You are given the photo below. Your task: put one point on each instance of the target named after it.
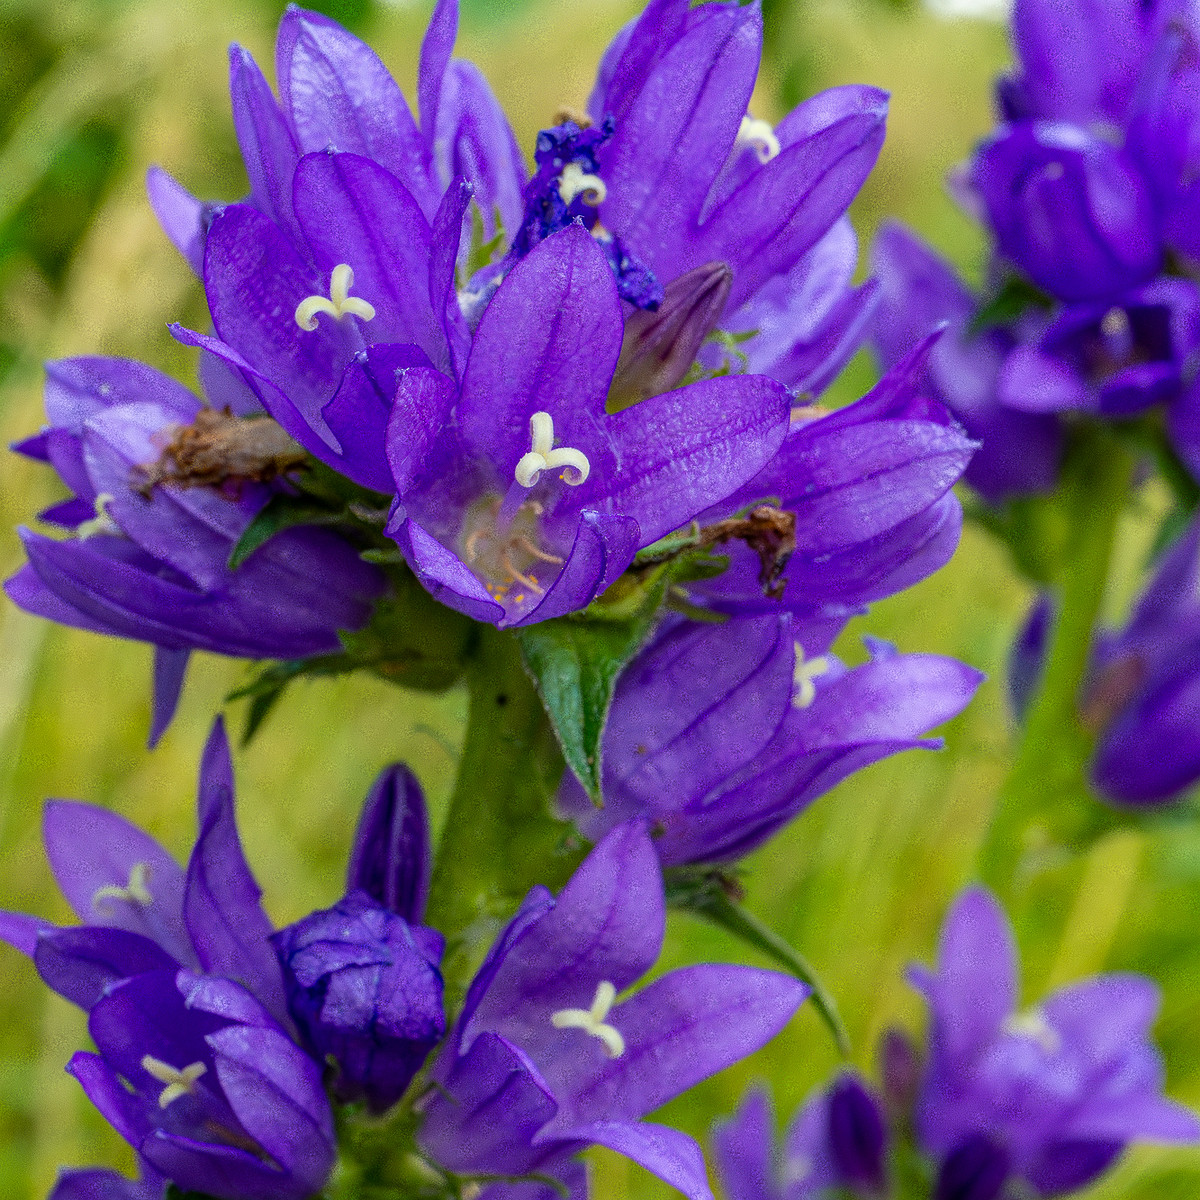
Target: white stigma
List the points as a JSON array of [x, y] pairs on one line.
[[339, 303], [760, 137], [135, 891], [178, 1083], [591, 1020], [101, 522], [543, 457], [575, 181], [1115, 323], [1034, 1026], [807, 669]]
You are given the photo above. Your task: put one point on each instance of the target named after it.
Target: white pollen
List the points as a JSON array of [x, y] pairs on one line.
[[339, 303], [591, 1020], [543, 457], [760, 137], [1115, 323], [807, 669], [134, 892], [575, 181], [178, 1082]]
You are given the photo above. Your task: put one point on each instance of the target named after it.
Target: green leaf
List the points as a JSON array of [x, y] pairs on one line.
[[707, 894], [279, 513]]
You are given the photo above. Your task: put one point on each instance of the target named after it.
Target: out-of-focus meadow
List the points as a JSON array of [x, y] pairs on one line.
[[94, 91]]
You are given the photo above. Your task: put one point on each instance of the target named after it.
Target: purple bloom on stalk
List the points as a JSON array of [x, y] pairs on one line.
[[721, 734], [836, 1143], [544, 1061], [199, 1078], [140, 910], [363, 979], [519, 497], [1055, 1093], [919, 291], [149, 560]]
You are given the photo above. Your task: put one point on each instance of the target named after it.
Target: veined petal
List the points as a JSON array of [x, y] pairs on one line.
[[671, 1155]]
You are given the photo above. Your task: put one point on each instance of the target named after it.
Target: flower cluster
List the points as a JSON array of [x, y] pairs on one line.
[[1087, 190], [1007, 1102]]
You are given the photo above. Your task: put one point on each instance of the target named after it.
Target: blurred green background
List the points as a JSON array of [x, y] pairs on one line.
[[94, 91]]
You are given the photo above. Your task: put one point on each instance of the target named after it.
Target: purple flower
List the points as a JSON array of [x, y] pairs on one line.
[[364, 988], [518, 496], [199, 1078], [919, 291], [837, 1142], [1057, 1091], [149, 560], [721, 734], [99, 1184], [141, 911], [544, 1061], [1069, 209]]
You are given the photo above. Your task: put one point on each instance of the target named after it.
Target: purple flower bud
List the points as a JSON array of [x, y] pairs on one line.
[[975, 1170], [660, 347], [1068, 209], [364, 989], [857, 1136], [390, 860]]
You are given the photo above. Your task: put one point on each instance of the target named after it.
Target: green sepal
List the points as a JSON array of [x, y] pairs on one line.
[[279, 513], [1011, 301], [266, 689], [710, 894]]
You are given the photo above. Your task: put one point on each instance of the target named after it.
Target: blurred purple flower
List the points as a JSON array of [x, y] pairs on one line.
[[543, 1061], [150, 562], [99, 1184], [721, 734], [836, 1143], [1058, 1091]]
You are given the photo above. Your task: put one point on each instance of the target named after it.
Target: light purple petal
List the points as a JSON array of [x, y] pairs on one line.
[[436, 48], [184, 219], [444, 575], [671, 1155], [20, 930], [743, 1147]]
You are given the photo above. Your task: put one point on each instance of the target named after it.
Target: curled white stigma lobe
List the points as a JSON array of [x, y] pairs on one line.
[[543, 457], [1034, 1026], [760, 137], [135, 891], [807, 669], [101, 522], [591, 1020], [339, 303], [178, 1083], [575, 181]]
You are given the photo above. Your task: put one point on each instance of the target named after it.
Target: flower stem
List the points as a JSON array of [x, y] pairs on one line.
[[1046, 806], [499, 838]]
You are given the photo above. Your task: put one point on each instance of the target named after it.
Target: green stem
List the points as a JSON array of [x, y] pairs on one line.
[[1046, 801], [499, 838]]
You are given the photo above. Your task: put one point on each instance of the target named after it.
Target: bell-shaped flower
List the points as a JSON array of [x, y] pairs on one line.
[[208, 1088], [365, 989], [721, 734], [1068, 209], [1055, 1092], [164, 486], [869, 486], [1020, 451], [140, 911], [548, 1056], [837, 1143], [519, 497]]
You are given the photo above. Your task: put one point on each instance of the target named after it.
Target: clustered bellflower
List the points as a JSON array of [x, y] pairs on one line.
[[1041, 1102], [1141, 696], [1087, 190]]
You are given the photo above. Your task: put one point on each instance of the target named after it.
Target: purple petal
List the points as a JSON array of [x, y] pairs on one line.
[[78, 389], [446, 237], [91, 849], [184, 219], [21, 931], [679, 1030], [83, 962], [743, 1147], [339, 95], [444, 575], [170, 666], [27, 591], [671, 1155], [221, 904], [607, 925], [422, 409], [633, 54], [391, 857], [104, 1185], [125, 1111], [436, 48], [352, 211]]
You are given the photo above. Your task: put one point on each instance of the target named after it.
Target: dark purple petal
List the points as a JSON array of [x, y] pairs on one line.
[[127, 1112], [857, 1135], [93, 852], [446, 235], [81, 963], [422, 409], [1068, 1166], [221, 905], [170, 667], [391, 858], [975, 1170], [105, 1185]]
